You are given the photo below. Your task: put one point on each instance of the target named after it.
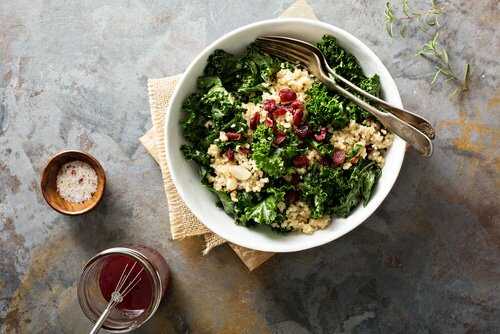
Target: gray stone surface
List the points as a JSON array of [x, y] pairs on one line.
[[73, 75]]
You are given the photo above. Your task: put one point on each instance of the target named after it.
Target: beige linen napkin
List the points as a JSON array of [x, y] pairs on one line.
[[182, 221]]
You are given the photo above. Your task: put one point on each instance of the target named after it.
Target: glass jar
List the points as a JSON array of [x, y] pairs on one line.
[[91, 298]]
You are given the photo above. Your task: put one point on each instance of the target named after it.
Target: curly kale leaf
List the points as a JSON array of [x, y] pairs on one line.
[[361, 186], [193, 122], [356, 113], [371, 85], [263, 152], [242, 75], [224, 201], [369, 179], [290, 148], [273, 166], [206, 82], [342, 62], [336, 191], [270, 159], [346, 65], [325, 108], [258, 67], [192, 153], [225, 66], [321, 187], [237, 209], [263, 213], [217, 99], [266, 211], [324, 148], [246, 200], [236, 124], [267, 66]]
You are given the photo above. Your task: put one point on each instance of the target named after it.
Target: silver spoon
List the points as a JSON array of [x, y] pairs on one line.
[[414, 129]]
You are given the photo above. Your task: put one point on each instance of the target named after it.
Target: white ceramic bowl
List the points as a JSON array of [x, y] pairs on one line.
[[202, 202]]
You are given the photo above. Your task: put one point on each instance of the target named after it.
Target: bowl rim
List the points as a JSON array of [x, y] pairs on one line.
[[44, 175], [396, 161]]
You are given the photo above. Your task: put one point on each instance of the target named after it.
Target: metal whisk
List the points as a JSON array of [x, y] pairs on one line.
[[118, 294]]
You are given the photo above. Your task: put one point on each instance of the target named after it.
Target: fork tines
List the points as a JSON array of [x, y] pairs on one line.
[[284, 49]]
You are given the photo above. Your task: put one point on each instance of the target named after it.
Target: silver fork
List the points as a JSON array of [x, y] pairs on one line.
[[413, 119], [414, 129]]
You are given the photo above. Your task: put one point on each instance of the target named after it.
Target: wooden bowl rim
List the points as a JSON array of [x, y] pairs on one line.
[[87, 156]]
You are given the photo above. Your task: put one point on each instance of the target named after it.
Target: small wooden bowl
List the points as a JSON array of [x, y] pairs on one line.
[[49, 186]]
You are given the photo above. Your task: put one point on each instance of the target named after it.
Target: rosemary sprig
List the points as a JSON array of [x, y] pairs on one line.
[[390, 18], [423, 18], [432, 50], [438, 55]]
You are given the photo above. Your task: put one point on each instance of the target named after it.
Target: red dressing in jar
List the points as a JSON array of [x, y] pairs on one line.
[[140, 297]]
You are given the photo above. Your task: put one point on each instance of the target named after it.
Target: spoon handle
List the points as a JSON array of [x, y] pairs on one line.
[[413, 119], [410, 134]]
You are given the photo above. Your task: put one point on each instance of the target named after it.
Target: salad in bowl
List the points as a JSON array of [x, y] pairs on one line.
[[275, 146], [308, 169]]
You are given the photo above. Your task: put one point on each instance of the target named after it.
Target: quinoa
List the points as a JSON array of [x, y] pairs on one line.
[[361, 136], [299, 80], [298, 219], [242, 173]]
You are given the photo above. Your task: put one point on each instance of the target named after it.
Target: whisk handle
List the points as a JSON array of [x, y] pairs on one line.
[[98, 324]]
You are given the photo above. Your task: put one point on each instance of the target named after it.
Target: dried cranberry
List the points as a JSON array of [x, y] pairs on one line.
[[230, 154], [369, 148], [233, 135], [295, 179], [297, 105], [280, 137], [269, 122], [292, 196], [269, 105], [338, 157], [287, 95], [321, 135], [254, 121], [300, 161], [302, 131], [325, 161], [244, 150], [280, 111], [297, 117]]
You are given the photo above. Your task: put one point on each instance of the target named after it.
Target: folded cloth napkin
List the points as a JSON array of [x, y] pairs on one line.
[[182, 221]]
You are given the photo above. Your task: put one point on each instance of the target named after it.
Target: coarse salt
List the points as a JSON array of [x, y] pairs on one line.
[[76, 181]]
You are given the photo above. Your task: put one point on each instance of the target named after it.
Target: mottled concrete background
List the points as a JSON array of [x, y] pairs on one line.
[[73, 75]]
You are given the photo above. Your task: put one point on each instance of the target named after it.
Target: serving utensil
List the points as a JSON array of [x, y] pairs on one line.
[[414, 129], [118, 294]]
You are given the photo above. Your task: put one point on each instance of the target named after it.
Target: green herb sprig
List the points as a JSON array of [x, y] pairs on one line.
[[439, 56], [427, 22], [424, 19]]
